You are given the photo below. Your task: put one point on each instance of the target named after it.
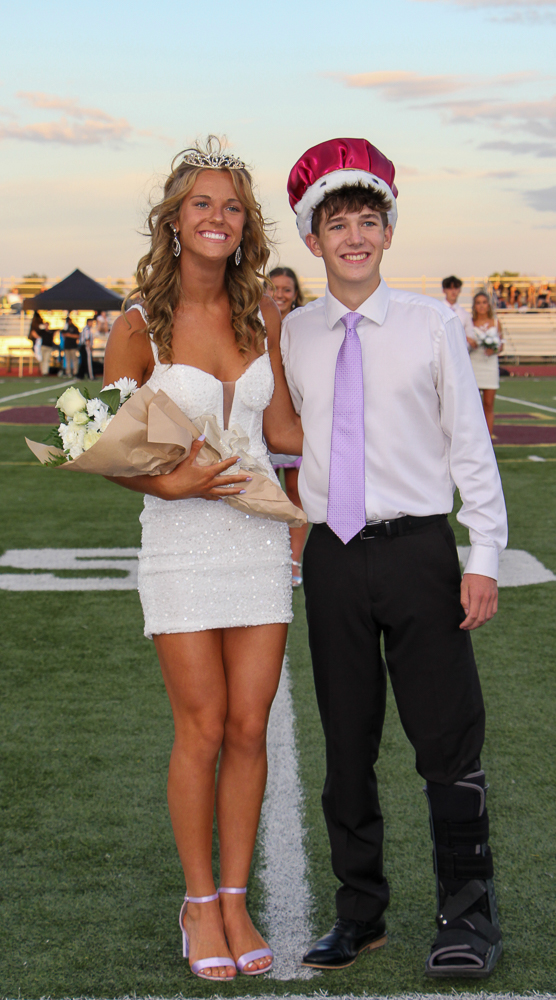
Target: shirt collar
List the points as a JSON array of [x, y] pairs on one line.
[[373, 308]]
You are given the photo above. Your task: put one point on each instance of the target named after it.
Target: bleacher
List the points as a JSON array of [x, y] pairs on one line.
[[18, 350], [528, 336]]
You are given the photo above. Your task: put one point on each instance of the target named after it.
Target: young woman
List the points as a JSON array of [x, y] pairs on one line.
[[287, 294], [485, 359], [214, 583]]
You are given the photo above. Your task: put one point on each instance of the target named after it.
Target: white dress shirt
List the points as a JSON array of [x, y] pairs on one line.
[[465, 317], [425, 428]]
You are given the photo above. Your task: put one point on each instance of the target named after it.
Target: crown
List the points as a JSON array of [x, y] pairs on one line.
[[217, 160]]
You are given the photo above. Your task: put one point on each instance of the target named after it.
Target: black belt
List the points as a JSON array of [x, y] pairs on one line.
[[398, 526]]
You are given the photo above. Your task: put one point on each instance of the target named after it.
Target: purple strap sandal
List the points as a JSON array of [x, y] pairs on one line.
[[203, 963], [250, 956]]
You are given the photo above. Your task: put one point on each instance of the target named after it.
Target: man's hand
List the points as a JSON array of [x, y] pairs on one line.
[[479, 599]]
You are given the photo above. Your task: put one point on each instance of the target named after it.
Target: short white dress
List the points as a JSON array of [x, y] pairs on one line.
[[485, 366], [203, 564]]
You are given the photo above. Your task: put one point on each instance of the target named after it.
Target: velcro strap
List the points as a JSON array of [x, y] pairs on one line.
[[453, 940], [454, 906], [464, 866], [448, 834], [485, 928]]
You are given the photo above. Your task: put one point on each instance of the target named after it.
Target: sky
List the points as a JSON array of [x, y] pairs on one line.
[[96, 99]]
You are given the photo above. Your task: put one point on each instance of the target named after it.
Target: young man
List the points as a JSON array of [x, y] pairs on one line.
[[392, 419], [451, 287]]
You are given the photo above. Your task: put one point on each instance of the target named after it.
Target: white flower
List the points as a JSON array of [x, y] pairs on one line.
[[102, 424], [80, 418], [71, 401], [91, 437], [73, 438], [127, 387], [97, 409]]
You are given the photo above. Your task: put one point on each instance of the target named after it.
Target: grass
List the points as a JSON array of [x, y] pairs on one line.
[[92, 883]]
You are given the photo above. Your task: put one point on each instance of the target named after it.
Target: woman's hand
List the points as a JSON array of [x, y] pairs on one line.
[[472, 343], [188, 481], [205, 482], [490, 351]]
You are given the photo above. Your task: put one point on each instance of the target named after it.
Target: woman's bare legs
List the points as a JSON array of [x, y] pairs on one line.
[[488, 406], [221, 684], [252, 662], [194, 676], [297, 535]]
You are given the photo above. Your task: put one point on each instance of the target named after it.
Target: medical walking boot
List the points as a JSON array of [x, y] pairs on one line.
[[468, 942]]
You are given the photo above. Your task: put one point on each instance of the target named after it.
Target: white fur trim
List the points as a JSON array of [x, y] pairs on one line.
[[331, 182]]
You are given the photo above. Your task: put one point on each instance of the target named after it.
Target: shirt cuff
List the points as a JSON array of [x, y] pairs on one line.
[[483, 560]]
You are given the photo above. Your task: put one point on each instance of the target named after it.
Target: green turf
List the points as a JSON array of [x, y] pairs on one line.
[[92, 883]]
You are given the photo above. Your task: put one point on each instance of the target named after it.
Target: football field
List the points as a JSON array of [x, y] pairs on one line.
[[92, 885]]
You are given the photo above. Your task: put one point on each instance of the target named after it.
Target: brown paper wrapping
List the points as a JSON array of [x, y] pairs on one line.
[[150, 435]]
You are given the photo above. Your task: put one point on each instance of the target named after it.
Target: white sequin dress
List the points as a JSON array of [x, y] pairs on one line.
[[203, 564]]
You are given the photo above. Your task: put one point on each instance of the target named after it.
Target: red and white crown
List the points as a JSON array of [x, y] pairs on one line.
[[334, 164]]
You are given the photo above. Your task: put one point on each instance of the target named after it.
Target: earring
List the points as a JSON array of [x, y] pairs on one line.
[[176, 245], [238, 256]]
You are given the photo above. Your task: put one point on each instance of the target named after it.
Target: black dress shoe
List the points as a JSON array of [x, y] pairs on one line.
[[347, 939]]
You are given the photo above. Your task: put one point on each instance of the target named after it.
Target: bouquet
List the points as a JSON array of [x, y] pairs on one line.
[[126, 431], [83, 418], [487, 337]]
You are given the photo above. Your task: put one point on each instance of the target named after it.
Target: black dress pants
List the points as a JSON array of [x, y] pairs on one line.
[[406, 587]]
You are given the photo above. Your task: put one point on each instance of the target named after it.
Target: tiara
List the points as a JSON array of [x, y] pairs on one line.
[[218, 160]]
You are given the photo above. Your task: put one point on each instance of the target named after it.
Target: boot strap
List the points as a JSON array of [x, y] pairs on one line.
[[454, 906], [464, 866], [449, 834]]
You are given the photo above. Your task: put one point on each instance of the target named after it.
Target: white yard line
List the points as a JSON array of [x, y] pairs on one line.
[[32, 392], [287, 895], [448, 992], [525, 402]]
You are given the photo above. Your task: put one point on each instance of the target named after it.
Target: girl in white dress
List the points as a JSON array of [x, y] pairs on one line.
[[484, 359], [215, 584]]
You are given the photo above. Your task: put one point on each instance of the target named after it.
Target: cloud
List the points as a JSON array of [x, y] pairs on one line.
[[514, 11], [535, 117], [400, 85], [541, 149], [77, 125], [542, 199], [501, 175], [87, 133], [37, 99], [525, 4]]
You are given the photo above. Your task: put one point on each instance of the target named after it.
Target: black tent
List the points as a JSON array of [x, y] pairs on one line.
[[77, 291]]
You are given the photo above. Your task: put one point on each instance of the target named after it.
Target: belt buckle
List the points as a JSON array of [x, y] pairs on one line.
[[369, 524]]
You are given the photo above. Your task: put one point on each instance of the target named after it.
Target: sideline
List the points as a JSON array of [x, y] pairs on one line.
[[324, 995], [46, 388], [283, 872], [524, 402]]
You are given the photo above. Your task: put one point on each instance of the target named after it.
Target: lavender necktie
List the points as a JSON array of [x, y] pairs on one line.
[[346, 485]]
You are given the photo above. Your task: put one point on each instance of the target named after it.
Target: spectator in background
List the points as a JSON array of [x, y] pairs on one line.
[[484, 358], [36, 330], [103, 326], [451, 287], [71, 346], [287, 294], [47, 346], [86, 339]]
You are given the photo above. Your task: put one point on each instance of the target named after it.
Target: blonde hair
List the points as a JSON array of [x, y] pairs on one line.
[[485, 295], [158, 272]]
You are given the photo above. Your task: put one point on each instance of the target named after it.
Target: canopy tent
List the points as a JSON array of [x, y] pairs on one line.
[[77, 291]]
